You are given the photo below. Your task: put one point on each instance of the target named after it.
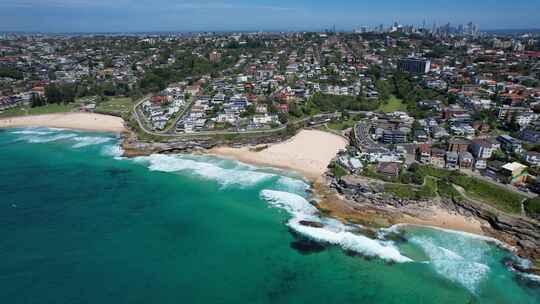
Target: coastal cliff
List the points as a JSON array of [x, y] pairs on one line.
[[522, 233]]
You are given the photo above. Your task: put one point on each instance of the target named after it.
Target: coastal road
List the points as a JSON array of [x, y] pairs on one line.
[[143, 127]]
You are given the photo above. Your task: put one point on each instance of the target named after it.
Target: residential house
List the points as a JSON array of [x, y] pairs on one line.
[[394, 137], [480, 164], [482, 149], [420, 136], [452, 160], [510, 144], [389, 169], [515, 172], [466, 160], [458, 145], [531, 134], [438, 157], [424, 153], [532, 158], [438, 132]]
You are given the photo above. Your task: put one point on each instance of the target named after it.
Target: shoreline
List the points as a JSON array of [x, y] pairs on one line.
[[75, 120], [308, 175], [285, 156], [336, 206], [301, 153]]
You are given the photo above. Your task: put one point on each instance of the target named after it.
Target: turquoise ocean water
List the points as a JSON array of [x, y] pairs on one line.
[[79, 224]]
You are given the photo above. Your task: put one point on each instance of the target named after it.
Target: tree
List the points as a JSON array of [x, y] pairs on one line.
[[249, 111], [53, 94], [283, 118], [384, 88], [295, 110], [36, 101], [11, 73]]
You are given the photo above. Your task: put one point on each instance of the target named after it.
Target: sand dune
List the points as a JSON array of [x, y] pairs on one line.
[[78, 121], [309, 153]]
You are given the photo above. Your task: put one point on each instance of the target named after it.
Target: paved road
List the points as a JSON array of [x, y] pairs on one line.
[[137, 117]]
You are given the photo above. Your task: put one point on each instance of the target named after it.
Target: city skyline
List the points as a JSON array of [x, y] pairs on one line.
[[279, 15]]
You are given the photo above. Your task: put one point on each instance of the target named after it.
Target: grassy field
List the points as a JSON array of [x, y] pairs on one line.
[[341, 125], [428, 190], [498, 197], [490, 193], [48, 109], [116, 105], [393, 104]]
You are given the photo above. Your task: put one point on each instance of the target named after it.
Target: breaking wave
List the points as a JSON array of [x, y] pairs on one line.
[[46, 139], [290, 184], [331, 231], [238, 175], [45, 135], [33, 132], [115, 151], [84, 141], [459, 258]]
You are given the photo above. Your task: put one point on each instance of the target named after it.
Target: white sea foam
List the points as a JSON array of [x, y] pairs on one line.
[[458, 258], [239, 175], [290, 184], [397, 228], [33, 132], [84, 141], [292, 203], [332, 232], [531, 277], [46, 139], [115, 151]]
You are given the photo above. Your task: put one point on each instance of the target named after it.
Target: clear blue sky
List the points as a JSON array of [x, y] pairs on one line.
[[202, 15]]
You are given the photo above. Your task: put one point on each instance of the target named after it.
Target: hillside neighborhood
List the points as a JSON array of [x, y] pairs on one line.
[[448, 97]]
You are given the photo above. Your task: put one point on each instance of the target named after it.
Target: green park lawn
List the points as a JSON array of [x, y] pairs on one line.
[[393, 104], [116, 105]]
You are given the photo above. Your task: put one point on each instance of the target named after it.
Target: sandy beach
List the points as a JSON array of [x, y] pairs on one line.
[[309, 153], [78, 121], [441, 218]]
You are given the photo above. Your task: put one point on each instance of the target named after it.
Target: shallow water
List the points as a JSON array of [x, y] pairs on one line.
[[79, 224]]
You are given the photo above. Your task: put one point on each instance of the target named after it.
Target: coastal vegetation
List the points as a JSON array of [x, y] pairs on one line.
[[490, 193], [324, 103], [337, 170], [426, 191], [532, 207], [420, 182], [447, 190], [497, 196]]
